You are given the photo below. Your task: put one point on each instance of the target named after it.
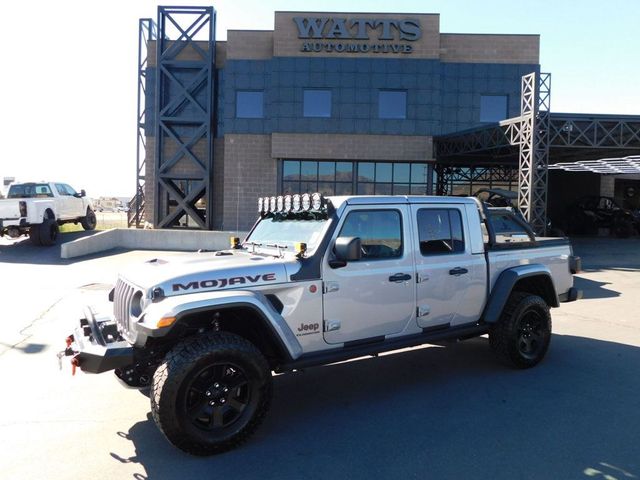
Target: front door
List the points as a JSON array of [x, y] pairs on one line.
[[374, 296], [64, 204]]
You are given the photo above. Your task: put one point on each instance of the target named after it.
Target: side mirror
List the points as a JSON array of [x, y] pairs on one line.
[[347, 249], [83, 193]]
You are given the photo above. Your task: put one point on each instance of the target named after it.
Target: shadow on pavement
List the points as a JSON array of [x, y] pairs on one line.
[[439, 412], [593, 289], [23, 251]]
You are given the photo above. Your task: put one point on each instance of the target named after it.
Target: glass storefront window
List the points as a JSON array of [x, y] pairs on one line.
[[349, 178]]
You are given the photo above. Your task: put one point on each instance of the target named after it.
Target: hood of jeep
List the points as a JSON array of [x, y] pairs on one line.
[[208, 271]]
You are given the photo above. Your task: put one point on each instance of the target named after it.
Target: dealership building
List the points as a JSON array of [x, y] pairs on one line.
[[357, 103]]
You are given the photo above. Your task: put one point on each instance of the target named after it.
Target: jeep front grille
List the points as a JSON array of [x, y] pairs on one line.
[[122, 306]]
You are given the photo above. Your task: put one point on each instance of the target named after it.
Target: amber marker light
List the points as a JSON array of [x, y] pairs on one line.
[[166, 321], [300, 248]]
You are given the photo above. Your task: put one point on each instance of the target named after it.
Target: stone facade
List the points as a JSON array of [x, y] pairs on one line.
[[352, 147], [249, 172]]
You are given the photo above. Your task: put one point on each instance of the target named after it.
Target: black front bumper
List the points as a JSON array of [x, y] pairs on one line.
[[97, 346]]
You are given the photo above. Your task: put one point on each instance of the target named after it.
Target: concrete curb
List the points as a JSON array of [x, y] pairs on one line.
[[137, 239]]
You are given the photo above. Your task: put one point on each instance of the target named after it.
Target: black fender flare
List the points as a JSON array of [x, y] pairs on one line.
[[184, 306], [505, 285]]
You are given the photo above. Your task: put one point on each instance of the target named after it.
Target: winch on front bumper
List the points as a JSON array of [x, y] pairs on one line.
[[96, 346]]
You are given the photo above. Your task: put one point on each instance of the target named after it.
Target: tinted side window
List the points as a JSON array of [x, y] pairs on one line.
[[70, 191], [440, 231], [61, 189], [379, 230], [43, 191]]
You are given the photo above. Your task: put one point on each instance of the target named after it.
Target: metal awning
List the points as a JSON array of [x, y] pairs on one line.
[[607, 166]]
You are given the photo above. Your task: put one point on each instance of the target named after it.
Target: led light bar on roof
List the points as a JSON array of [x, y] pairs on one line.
[[307, 202]]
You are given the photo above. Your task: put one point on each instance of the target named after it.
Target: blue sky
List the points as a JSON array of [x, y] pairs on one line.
[[68, 81]]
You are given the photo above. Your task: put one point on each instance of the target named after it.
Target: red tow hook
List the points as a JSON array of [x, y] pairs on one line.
[[75, 363], [69, 352]]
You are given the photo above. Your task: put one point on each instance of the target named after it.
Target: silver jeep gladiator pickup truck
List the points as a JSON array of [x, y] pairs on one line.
[[320, 280]]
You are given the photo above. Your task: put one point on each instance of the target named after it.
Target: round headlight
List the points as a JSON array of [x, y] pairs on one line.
[[287, 203], [272, 204], [260, 204], [316, 201], [136, 305], [306, 202], [280, 203], [295, 203]]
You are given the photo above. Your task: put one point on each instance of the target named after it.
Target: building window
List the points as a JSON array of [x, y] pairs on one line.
[[249, 104], [316, 103], [440, 231], [349, 178], [380, 232], [493, 108], [392, 104]]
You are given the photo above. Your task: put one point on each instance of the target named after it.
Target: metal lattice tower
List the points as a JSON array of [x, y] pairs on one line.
[[146, 34], [531, 132], [184, 106]]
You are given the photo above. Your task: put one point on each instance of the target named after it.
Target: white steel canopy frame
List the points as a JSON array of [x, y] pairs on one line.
[[530, 131]]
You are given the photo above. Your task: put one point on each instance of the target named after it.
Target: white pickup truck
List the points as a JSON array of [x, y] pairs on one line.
[[38, 209], [320, 280]]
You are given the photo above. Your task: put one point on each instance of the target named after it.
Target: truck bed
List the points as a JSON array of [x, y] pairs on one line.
[[551, 252]]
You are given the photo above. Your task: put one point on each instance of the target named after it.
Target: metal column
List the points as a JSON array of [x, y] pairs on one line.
[[530, 131], [146, 34], [184, 107]]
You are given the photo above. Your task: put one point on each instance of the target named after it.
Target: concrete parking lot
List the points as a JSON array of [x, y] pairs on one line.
[[434, 412]]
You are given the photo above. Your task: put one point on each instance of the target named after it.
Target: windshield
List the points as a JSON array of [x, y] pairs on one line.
[[287, 231], [30, 190]]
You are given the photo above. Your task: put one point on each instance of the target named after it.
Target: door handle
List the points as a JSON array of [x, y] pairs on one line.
[[400, 277], [458, 271]]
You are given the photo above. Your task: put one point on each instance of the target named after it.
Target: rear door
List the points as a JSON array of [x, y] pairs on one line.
[[450, 284], [374, 296]]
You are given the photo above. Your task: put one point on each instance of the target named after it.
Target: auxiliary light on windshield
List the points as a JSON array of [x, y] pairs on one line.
[[285, 204]]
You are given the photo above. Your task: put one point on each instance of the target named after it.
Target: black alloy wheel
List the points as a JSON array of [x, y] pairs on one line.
[[217, 396], [530, 335]]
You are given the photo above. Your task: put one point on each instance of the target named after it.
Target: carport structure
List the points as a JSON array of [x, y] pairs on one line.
[[523, 149]]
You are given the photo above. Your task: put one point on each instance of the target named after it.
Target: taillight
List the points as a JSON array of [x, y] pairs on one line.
[[23, 209]]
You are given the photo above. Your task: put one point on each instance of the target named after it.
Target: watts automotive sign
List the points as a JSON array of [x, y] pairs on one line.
[[357, 35]]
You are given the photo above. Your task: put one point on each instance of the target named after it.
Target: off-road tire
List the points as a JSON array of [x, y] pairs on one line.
[[34, 234], [89, 221], [48, 232], [521, 336], [174, 392]]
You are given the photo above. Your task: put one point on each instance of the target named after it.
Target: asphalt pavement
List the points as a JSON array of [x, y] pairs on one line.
[[433, 412]]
